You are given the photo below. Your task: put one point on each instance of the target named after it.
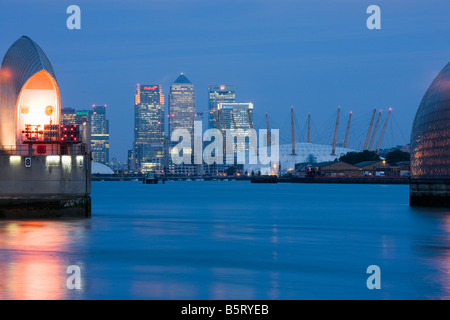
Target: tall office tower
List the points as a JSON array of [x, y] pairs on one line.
[[149, 128], [235, 117], [131, 163], [99, 134], [181, 105], [83, 117], [218, 94], [68, 116], [72, 116]]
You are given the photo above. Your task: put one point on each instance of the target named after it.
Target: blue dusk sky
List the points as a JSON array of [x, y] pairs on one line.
[[313, 55]]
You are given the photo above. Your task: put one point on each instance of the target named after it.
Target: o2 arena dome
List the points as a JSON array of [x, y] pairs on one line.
[[100, 168], [430, 135]]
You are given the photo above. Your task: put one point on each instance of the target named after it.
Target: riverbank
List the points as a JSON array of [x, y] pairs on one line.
[[266, 179], [348, 180]]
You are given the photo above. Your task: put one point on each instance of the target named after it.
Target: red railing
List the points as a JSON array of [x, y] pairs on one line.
[[45, 149]]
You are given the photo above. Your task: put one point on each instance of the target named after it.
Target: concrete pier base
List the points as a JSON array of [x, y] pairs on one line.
[[430, 192], [41, 186], [45, 207]]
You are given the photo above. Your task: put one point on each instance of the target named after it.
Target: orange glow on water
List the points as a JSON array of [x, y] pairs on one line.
[[35, 273]]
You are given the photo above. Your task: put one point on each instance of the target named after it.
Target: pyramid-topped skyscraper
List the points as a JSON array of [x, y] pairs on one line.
[[181, 105], [182, 79]]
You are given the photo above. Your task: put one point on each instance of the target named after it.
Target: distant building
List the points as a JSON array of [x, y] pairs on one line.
[[131, 161], [327, 169], [83, 117], [219, 94], [68, 116], [72, 116], [382, 168], [99, 134], [404, 166], [221, 98], [338, 169], [304, 152], [235, 116], [182, 116], [343, 169], [98, 168], [407, 148], [117, 165], [181, 105], [148, 129], [369, 168], [240, 113]]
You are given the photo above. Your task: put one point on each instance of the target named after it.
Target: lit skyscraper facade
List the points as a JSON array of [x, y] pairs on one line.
[[99, 134], [235, 116], [83, 117], [181, 105], [181, 116], [72, 116], [149, 128], [219, 94], [68, 116], [131, 163]]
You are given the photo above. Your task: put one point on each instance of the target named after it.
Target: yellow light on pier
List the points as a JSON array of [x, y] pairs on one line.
[[52, 160], [15, 160], [66, 161], [80, 161]]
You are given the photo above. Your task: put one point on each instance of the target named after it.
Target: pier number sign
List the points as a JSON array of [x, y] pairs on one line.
[[27, 162]]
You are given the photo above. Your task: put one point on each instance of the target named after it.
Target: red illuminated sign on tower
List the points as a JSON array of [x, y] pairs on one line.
[[150, 88]]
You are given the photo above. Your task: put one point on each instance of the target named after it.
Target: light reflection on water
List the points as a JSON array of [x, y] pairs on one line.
[[34, 258], [232, 240]]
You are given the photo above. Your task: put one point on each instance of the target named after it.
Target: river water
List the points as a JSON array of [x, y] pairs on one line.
[[232, 240]]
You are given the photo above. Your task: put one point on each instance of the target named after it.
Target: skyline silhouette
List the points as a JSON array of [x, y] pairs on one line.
[[313, 56]]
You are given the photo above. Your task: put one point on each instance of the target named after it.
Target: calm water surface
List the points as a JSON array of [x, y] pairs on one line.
[[232, 240]]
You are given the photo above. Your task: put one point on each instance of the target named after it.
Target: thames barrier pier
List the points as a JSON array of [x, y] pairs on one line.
[[430, 146], [44, 166]]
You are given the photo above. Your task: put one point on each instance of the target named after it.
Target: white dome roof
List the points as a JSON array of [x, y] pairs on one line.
[[321, 152], [100, 168]]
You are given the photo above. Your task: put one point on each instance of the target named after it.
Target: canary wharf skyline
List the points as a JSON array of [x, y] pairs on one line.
[[313, 56]]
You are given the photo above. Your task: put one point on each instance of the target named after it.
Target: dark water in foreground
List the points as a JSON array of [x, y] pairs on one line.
[[232, 240]]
